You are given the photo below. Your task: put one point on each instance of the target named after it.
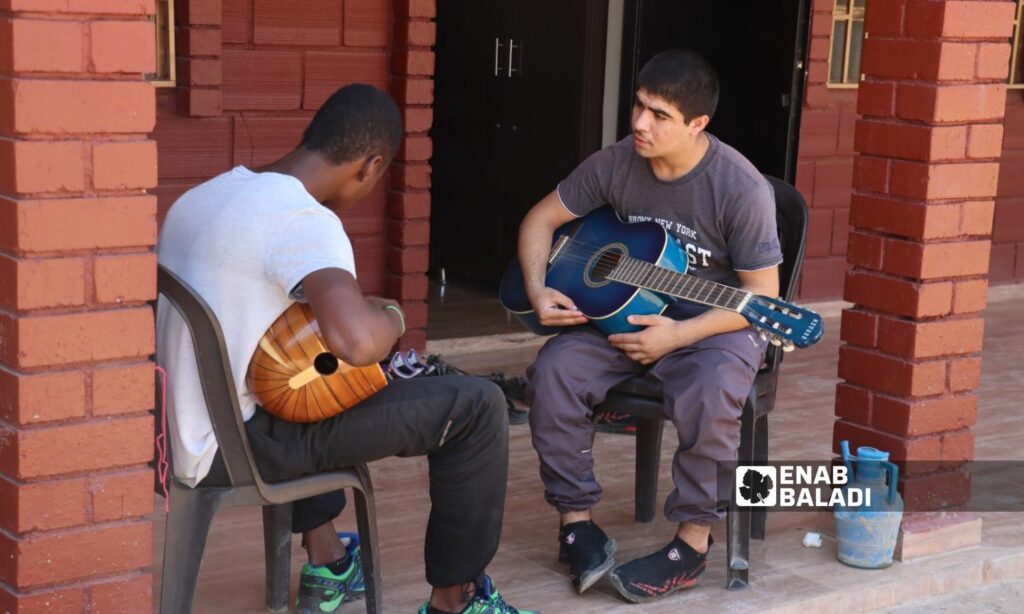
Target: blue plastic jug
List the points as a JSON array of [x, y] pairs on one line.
[[867, 533]]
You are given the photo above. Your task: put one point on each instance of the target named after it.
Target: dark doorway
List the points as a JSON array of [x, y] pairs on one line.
[[517, 105], [758, 49]]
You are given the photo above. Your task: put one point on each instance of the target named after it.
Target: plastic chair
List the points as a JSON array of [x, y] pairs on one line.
[[192, 509], [638, 397]]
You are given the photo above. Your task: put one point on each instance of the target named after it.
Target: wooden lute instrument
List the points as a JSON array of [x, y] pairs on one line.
[[297, 379]]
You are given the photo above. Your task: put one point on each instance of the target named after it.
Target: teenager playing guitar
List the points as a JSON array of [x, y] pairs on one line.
[[250, 243], [722, 211]]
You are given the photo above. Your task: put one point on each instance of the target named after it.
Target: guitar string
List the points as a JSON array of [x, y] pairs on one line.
[[579, 252]]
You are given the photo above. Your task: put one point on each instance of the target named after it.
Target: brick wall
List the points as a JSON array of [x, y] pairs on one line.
[[925, 180], [76, 271], [251, 73], [825, 170]]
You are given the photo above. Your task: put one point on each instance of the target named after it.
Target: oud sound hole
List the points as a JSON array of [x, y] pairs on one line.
[[602, 264], [325, 364]]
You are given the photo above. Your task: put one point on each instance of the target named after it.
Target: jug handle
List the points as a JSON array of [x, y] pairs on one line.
[[844, 448], [894, 478]]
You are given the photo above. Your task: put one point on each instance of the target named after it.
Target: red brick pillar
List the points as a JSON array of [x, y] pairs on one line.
[[198, 48], [76, 271], [932, 102], [412, 65]]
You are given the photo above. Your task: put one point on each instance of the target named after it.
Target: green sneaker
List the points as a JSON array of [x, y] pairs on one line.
[[486, 600], [322, 591]]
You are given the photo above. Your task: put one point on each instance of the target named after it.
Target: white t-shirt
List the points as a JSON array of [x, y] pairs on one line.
[[243, 241]]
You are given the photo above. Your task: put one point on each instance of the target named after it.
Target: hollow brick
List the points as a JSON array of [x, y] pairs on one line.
[[910, 418], [124, 278], [42, 506], [79, 223], [122, 389], [120, 165], [41, 397], [84, 446], [37, 45], [891, 374], [122, 46], [52, 340], [41, 166], [75, 555], [49, 106]]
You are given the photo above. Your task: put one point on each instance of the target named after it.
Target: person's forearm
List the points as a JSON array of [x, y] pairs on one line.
[[717, 321], [534, 250]]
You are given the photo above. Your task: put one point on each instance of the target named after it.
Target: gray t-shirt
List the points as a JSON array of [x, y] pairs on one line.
[[722, 212]]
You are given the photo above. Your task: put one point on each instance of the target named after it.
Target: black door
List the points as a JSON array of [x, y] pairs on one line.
[[516, 106], [756, 47]]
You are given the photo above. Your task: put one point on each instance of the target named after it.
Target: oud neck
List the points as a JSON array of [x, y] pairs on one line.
[[666, 281]]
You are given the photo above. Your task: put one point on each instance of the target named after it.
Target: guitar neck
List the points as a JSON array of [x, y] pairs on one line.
[[643, 274]]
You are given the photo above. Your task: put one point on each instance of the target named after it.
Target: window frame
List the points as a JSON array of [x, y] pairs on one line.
[[851, 14], [1016, 57], [167, 29]]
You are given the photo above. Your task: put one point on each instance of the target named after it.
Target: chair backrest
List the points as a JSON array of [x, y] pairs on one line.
[[791, 220], [215, 376]]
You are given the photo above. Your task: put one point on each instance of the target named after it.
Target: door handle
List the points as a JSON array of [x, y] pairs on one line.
[[512, 46], [497, 56]]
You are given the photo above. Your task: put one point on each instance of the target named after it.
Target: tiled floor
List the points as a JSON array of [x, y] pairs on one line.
[[785, 575]]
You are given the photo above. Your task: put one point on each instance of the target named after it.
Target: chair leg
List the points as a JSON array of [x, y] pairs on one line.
[[277, 542], [760, 514], [648, 460], [738, 554], [738, 548], [366, 518], [188, 524]]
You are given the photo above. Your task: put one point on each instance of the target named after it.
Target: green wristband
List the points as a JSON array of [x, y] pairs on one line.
[[401, 316]]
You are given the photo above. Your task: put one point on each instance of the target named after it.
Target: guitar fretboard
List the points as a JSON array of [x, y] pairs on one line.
[[643, 274]]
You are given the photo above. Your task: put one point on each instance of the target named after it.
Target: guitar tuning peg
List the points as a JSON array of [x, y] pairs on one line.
[[763, 335], [775, 341], [788, 346]]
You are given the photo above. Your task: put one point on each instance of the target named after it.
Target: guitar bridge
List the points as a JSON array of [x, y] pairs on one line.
[[558, 248]]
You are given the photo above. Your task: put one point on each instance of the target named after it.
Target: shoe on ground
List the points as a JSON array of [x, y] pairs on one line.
[[321, 591], [486, 600], [589, 552], [675, 567]]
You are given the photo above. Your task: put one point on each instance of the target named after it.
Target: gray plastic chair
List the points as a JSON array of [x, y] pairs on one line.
[[192, 509], [639, 397]]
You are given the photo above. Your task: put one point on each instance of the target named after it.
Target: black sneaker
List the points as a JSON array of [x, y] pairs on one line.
[[588, 550], [675, 567]]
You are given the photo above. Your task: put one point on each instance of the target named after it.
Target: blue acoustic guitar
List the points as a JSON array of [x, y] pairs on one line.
[[613, 270]]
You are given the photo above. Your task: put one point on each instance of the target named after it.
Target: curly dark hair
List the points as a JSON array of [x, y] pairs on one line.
[[357, 121]]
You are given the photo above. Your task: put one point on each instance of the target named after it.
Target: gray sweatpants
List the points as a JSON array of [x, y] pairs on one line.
[[704, 387]]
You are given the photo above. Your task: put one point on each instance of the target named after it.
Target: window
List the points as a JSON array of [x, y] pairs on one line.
[[847, 40], [164, 22], [1016, 61]]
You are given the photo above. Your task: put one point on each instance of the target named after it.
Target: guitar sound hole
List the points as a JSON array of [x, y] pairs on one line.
[[325, 364], [602, 264]]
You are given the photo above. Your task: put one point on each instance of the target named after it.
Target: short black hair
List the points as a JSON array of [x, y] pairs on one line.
[[683, 78], [357, 121]]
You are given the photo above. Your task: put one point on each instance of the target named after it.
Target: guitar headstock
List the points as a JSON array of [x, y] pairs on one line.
[[783, 323]]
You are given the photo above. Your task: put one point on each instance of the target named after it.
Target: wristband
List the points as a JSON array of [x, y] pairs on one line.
[[401, 317]]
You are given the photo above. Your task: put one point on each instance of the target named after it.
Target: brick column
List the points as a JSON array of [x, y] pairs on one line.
[[76, 271], [932, 102], [198, 46], [412, 65]]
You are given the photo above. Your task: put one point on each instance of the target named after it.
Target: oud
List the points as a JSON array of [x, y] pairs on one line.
[[295, 377]]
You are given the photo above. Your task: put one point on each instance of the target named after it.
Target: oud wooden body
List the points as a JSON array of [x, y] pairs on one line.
[[295, 377]]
